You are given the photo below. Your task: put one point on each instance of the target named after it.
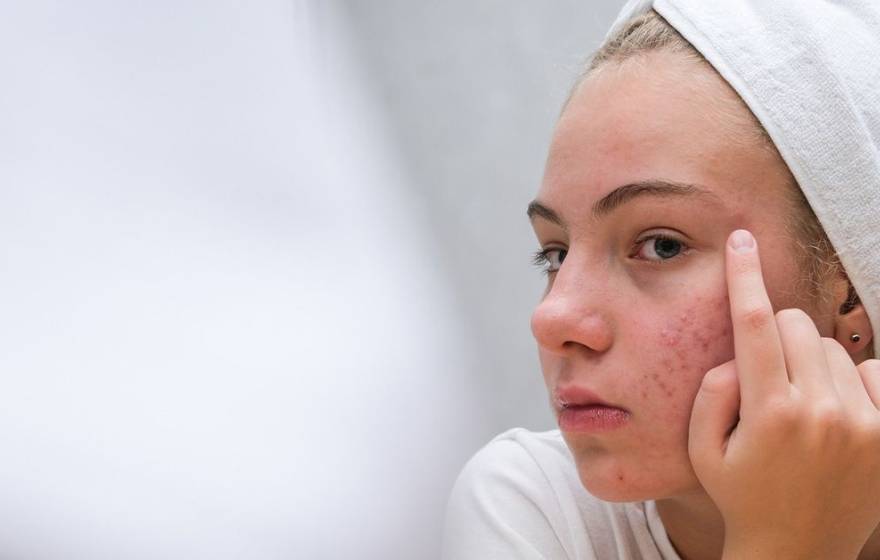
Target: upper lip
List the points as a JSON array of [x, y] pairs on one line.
[[573, 395]]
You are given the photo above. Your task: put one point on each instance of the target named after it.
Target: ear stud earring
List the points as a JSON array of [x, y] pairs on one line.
[[855, 337]]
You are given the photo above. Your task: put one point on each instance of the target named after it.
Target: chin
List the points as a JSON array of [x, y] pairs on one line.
[[615, 483], [615, 491]]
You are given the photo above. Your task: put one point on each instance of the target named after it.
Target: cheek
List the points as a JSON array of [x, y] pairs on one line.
[[676, 353], [696, 339], [673, 352]]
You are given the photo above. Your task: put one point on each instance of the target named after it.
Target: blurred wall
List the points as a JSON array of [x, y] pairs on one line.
[[472, 91], [264, 267]]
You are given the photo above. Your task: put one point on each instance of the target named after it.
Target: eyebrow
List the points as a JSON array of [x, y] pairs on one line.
[[621, 195]]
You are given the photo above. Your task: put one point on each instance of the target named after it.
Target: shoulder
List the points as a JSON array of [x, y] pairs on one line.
[[517, 450], [517, 497], [518, 463], [520, 496]]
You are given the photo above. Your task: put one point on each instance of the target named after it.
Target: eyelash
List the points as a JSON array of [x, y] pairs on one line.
[[542, 260]]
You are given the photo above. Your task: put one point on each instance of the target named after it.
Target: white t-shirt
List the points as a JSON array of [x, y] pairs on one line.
[[519, 497]]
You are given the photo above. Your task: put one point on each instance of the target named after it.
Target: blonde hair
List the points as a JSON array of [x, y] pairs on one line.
[[649, 32]]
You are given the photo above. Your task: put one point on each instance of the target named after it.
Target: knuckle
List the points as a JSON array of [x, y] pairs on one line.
[[862, 432], [827, 416], [757, 317], [868, 428], [782, 412], [863, 441]]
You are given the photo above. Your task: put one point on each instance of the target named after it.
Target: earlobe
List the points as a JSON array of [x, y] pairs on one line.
[[853, 331]]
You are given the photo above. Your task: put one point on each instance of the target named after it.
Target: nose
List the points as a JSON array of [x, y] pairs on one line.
[[572, 315]]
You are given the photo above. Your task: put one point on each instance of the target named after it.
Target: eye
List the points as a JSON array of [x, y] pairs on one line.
[[549, 260], [660, 249]]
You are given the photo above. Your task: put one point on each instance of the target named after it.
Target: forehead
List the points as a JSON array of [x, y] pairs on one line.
[[656, 117]]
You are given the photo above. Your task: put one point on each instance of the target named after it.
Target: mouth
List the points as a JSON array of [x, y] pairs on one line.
[[573, 396], [579, 409]]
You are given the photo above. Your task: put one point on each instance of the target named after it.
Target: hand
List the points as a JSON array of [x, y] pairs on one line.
[[798, 476]]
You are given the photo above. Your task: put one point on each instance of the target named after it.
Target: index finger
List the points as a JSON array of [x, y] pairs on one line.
[[760, 361]]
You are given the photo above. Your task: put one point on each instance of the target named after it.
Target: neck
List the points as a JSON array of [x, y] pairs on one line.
[[694, 525], [696, 529]]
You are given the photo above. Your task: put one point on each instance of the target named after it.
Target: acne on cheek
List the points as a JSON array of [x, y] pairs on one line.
[[697, 339]]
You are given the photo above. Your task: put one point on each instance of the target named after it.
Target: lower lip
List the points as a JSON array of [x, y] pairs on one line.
[[591, 418]]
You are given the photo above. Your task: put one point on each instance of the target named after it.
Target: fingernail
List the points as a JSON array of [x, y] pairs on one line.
[[742, 241]]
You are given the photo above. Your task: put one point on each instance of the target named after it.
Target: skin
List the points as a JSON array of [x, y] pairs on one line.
[[643, 335]]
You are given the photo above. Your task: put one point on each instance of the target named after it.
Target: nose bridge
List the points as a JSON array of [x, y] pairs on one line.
[[575, 309]]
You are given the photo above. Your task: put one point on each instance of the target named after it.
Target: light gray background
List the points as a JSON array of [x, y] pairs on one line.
[[471, 91], [265, 267]]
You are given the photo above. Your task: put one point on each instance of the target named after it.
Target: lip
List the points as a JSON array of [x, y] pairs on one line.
[[579, 409], [574, 395], [592, 418]]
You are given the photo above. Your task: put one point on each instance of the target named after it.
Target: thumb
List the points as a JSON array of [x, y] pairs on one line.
[[714, 415]]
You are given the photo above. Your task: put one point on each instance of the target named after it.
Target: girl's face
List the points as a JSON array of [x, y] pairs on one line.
[[637, 312]]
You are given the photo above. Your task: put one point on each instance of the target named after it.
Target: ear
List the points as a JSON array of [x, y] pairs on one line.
[[852, 328]]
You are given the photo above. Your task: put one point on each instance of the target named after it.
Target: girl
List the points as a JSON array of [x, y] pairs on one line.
[[707, 227]]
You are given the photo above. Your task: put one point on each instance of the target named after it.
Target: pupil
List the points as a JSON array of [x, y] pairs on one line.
[[562, 256], [664, 247]]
